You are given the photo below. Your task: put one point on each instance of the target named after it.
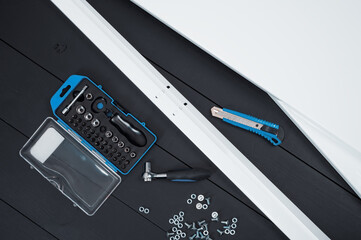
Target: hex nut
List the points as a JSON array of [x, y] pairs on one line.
[[95, 122], [80, 109], [193, 196], [205, 206], [108, 134], [88, 116], [89, 96], [189, 201]]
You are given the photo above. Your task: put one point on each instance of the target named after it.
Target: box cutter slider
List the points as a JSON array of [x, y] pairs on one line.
[[272, 132]]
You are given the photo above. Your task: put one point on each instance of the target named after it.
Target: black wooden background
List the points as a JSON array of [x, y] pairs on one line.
[[40, 48]]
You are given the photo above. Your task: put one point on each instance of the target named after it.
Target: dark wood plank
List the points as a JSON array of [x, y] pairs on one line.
[[162, 198], [29, 192], [14, 225], [88, 60]]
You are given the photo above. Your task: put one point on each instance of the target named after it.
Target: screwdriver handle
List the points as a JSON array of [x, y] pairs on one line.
[[189, 175]]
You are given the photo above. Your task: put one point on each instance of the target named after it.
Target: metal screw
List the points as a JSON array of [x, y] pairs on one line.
[[193, 236], [170, 234], [200, 197], [201, 222], [220, 232], [199, 206], [214, 214], [188, 225], [225, 222], [226, 227]]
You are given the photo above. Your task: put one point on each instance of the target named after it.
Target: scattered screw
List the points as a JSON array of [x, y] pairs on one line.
[[200, 197], [201, 222], [220, 232], [214, 214], [225, 222], [188, 225], [199, 206], [208, 200]]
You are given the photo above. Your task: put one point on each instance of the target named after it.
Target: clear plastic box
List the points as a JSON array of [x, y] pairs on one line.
[[60, 157]]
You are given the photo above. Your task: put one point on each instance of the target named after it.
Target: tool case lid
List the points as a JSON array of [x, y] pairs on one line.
[[60, 157]]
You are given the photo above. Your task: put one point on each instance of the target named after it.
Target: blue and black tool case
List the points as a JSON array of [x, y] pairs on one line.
[[92, 142]]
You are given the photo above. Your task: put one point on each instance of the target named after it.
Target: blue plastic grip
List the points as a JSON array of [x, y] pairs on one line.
[[269, 136]]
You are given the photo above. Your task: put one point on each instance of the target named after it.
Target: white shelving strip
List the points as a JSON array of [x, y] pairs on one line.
[[270, 200]]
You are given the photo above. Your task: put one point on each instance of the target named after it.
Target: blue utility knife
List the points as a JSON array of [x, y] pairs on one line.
[[272, 132]]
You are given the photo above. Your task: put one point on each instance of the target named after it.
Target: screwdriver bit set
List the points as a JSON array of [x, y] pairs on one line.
[[88, 111], [91, 143]]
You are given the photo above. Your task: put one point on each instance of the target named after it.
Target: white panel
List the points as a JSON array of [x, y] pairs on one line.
[[305, 53]]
